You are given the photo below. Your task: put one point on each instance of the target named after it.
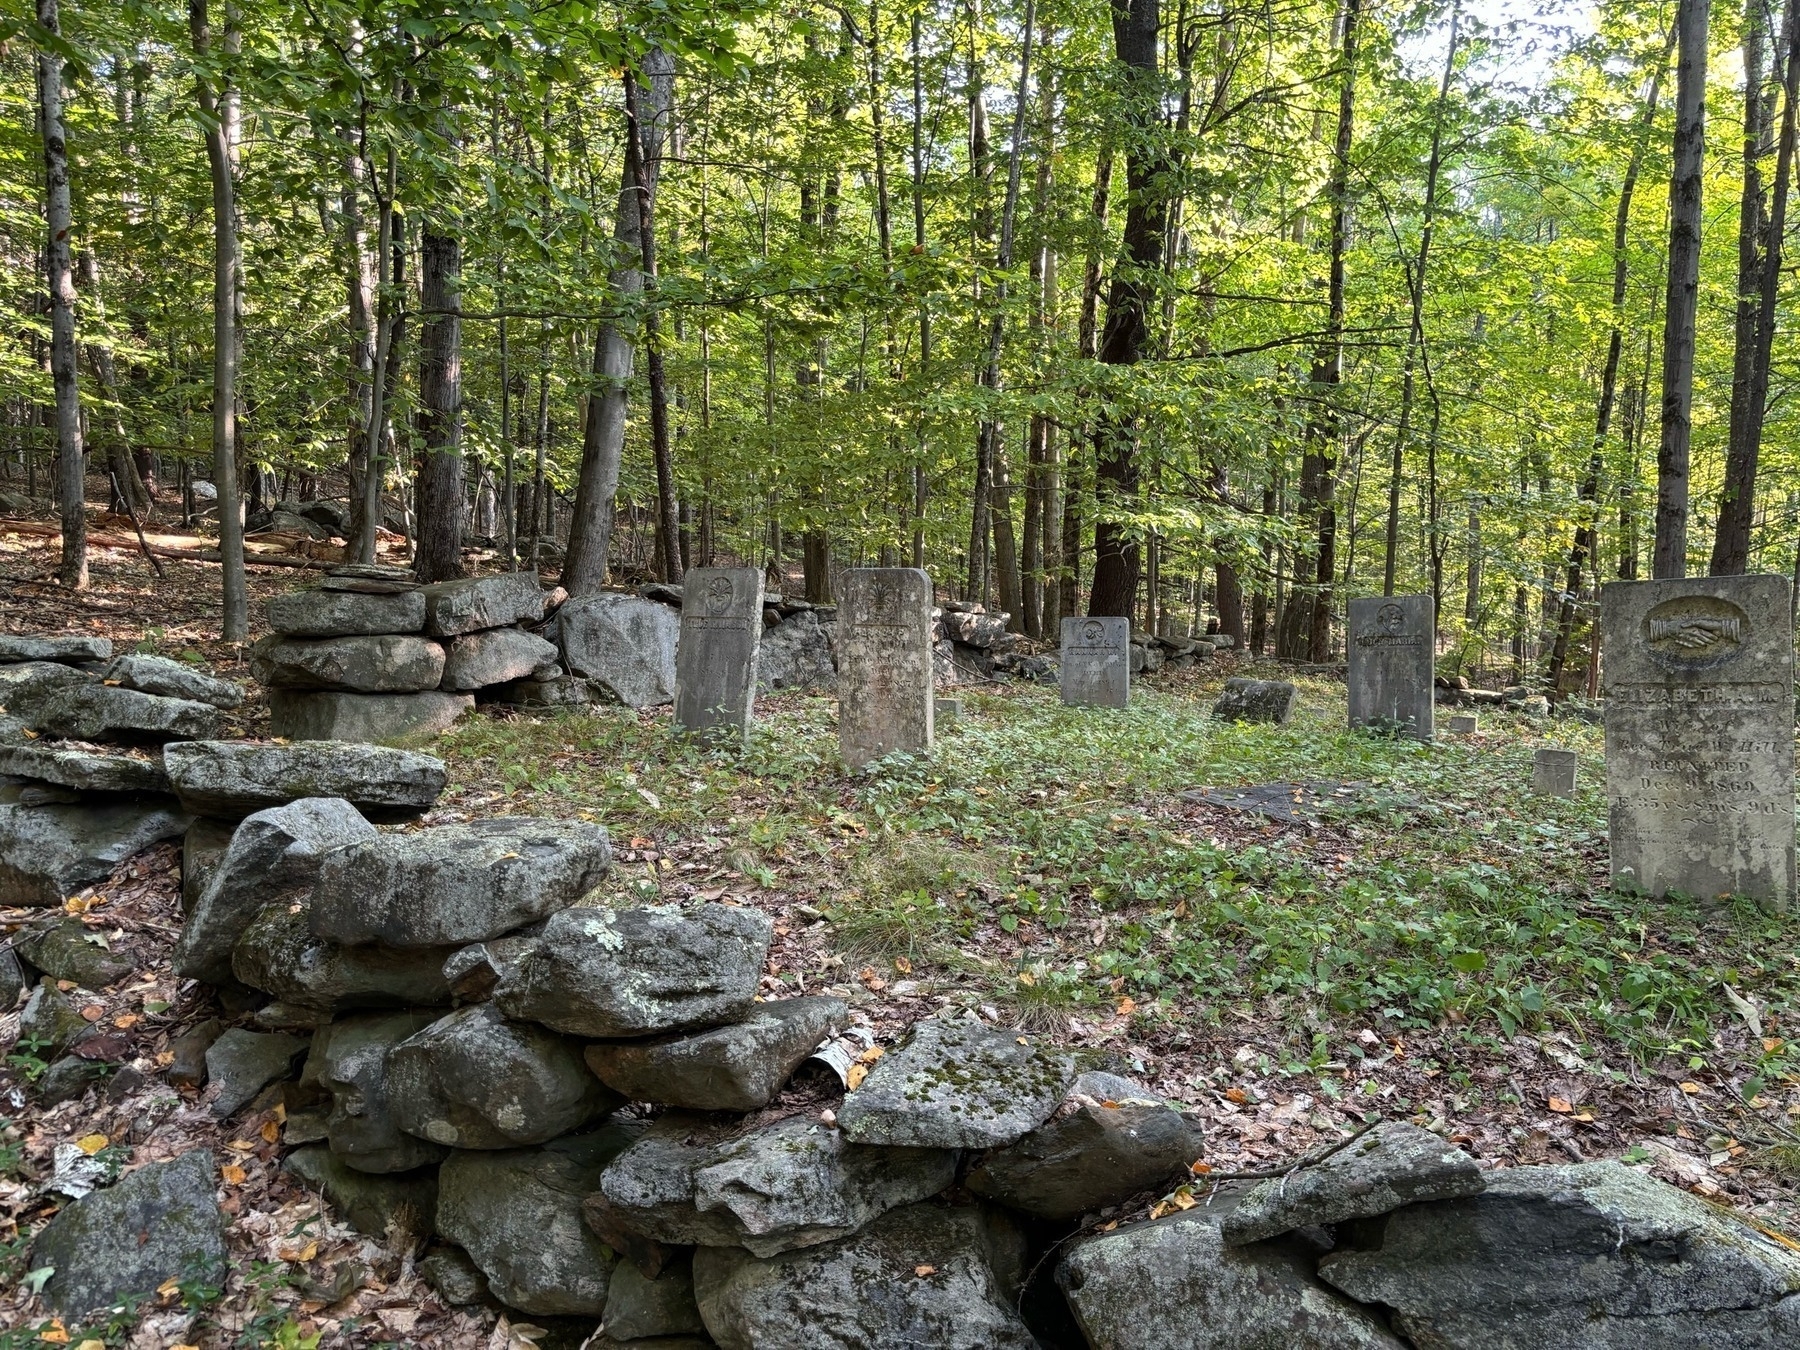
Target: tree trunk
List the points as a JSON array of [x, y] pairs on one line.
[[603, 436], [1737, 505], [71, 458], [1115, 584], [1670, 558], [438, 554], [219, 111]]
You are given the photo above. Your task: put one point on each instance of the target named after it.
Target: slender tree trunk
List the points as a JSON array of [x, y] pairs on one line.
[[219, 110], [71, 458], [1135, 24], [1088, 345], [603, 436], [919, 481], [438, 555], [1737, 506], [1670, 558], [359, 277]]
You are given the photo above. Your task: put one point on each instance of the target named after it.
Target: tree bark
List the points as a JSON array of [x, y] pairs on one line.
[[71, 458], [437, 555], [1121, 343], [219, 110], [1670, 556], [603, 437]]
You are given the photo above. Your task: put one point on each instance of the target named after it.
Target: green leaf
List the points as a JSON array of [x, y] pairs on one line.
[[1469, 962]]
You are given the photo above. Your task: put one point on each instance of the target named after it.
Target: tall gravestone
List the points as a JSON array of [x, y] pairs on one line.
[[1699, 684], [1391, 649], [715, 656], [884, 664], [1096, 662]]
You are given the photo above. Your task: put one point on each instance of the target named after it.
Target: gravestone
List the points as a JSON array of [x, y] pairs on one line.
[[1390, 664], [1700, 736], [1463, 724], [1096, 662], [947, 711], [1553, 773], [715, 656], [885, 701]]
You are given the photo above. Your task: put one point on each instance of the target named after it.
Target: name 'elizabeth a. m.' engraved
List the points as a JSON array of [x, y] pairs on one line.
[[1700, 736]]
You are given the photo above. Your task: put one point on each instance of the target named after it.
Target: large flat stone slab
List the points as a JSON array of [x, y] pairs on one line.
[[457, 883], [68, 650], [25, 687], [232, 779], [48, 853], [83, 770], [101, 712], [622, 643], [172, 679], [495, 656], [400, 663], [1270, 701], [473, 603], [383, 719], [637, 972], [340, 613], [957, 1085], [278, 954]]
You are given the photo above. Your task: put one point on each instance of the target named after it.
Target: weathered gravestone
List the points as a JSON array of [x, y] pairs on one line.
[[1700, 736], [1463, 724], [1096, 662], [1390, 664], [1553, 773], [884, 664], [715, 656]]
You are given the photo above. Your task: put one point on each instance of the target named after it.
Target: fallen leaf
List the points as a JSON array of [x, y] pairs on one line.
[[1127, 1007], [1558, 1105], [857, 1073], [298, 1254], [1772, 1044], [126, 1021], [91, 1344], [91, 1144], [233, 1174], [92, 1012], [55, 1333], [923, 1271], [1237, 1095], [1199, 1169], [271, 1132], [168, 1288], [1692, 1089], [902, 965], [873, 1053]]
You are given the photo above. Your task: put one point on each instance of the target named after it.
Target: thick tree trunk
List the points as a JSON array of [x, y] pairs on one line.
[[437, 555], [1135, 24], [220, 113], [603, 437], [1670, 558], [71, 458]]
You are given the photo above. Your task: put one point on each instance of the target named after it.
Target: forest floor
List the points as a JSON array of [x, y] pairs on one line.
[[1436, 944]]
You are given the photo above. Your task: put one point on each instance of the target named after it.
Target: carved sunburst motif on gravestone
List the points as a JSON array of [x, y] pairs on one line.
[[1695, 632]]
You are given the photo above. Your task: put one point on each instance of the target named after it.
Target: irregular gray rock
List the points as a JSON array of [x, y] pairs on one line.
[[457, 883], [738, 1067], [1392, 1165], [188, 1052], [395, 663], [12, 980], [275, 856], [473, 603], [518, 1215], [795, 654], [456, 1279], [1173, 1285], [957, 1085], [494, 656], [49, 1023], [385, 719], [83, 770], [475, 1080], [349, 1061], [1271, 701], [235, 778], [70, 1078], [379, 1205], [1591, 1256], [387, 573], [279, 955], [474, 971], [65, 948], [638, 1307], [623, 643], [104, 712], [557, 691], [158, 1223], [68, 650], [342, 613], [637, 972], [242, 1063], [24, 688], [203, 848], [649, 1188], [866, 1291], [172, 679], [1110, 1141], [49, 852]]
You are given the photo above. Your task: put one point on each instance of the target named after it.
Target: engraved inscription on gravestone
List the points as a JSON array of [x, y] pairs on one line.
[[885, 699], [1096, 662], [1699, 689], [715, 657], [1391, 641]]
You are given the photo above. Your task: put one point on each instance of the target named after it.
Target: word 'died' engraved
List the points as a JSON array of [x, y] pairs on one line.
[[1700, 736]]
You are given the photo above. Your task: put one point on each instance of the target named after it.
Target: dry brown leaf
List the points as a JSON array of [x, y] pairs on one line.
[[271, 1132], [233, 1174], [1237, 1095], [1692, 1089], [1561, 1107], [923, 1271], [853, 1080]]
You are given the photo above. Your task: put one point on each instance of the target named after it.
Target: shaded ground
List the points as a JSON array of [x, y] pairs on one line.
[[1437, 945]]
